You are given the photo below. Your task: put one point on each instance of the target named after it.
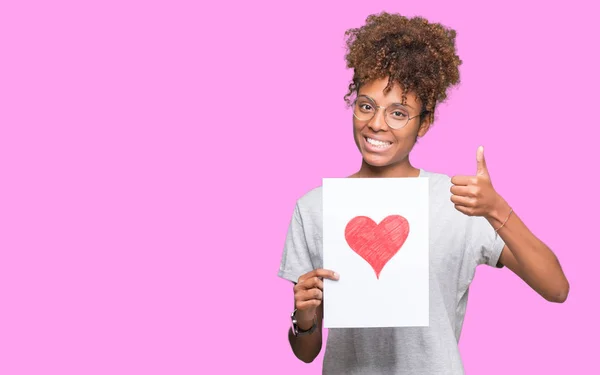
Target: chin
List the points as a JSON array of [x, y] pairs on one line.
[[377, 160]]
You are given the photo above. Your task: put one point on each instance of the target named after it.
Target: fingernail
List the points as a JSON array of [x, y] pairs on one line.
[[336, 275]]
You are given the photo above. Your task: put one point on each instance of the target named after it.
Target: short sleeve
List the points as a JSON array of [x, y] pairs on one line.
[[296, 260], [484, 244]]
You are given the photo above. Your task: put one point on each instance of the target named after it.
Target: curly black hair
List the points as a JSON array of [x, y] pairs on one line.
[[418, 55]]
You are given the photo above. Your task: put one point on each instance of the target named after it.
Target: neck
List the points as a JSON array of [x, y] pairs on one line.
[[401, 169]]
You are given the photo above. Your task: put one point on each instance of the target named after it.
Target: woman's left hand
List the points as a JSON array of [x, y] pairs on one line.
[[475, 195]]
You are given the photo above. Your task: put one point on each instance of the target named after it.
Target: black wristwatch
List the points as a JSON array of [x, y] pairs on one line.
[[297, 331]]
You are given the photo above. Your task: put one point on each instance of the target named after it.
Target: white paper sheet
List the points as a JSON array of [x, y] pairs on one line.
[[364, 222]]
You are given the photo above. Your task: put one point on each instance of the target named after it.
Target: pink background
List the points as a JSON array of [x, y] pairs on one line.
[[151, 154]]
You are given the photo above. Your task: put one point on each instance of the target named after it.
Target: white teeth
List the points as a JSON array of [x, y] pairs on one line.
[[377, 143]]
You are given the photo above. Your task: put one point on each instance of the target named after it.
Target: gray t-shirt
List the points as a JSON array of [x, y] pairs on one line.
[[458, 244]]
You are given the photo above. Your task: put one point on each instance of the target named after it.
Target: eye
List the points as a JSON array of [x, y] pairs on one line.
[[399, 114], [366, 107]]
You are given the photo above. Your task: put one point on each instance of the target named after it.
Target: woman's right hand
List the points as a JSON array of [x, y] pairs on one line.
[[308, 294]]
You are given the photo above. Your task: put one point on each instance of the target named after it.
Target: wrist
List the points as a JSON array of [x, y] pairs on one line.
[[303, 324], [499, 213], [305, 321], [303, 315]]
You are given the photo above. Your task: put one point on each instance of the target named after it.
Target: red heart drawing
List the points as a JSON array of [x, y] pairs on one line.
[[377, 243]]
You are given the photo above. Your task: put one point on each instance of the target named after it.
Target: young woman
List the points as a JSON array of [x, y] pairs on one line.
[[402, 69]]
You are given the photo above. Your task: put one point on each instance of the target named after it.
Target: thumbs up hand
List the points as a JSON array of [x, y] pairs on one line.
[[475, 195]]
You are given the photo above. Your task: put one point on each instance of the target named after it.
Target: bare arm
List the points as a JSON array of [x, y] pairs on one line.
[[528, 257], [524, 254]]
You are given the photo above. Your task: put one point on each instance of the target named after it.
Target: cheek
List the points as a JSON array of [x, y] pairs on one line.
[[406, 135], [405, 140], [356, 129]]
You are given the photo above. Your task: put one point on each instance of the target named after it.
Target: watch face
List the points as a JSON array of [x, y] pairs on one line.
[[294, 324]]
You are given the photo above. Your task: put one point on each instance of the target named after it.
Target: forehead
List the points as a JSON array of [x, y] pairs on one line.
[[375, 90]]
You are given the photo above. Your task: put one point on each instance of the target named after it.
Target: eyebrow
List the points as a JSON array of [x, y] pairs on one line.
[[374, 101]]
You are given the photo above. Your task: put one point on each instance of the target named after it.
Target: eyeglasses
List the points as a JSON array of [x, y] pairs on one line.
[[395, 115]]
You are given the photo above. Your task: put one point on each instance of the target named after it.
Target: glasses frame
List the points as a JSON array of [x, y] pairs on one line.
[[377, 107]]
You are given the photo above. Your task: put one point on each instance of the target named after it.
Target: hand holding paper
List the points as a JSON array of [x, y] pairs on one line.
[[308, 293]]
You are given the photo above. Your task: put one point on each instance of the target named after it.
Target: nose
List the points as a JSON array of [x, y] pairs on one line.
[[378, 123]]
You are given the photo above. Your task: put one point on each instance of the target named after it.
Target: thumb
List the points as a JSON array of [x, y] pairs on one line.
[[481, 166]]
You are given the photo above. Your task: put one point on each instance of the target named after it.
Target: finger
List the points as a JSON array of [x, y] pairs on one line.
[[313, 282], [465, 191], [463, 180], [465, 210], [462, 201], [307, 295], [481, 165], [323, 273], [305, 305]]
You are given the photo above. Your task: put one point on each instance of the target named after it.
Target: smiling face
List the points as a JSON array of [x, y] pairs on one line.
[[380, 144]]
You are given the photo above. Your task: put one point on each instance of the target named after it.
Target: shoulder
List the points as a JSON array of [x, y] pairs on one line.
[[436, 178], [439, 185], [311, 198], [309, 207]]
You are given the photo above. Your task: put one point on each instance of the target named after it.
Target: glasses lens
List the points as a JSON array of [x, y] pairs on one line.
[[397, 116], [364, 109]]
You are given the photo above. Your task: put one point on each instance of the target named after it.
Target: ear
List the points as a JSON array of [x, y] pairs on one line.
[[425, 125]]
